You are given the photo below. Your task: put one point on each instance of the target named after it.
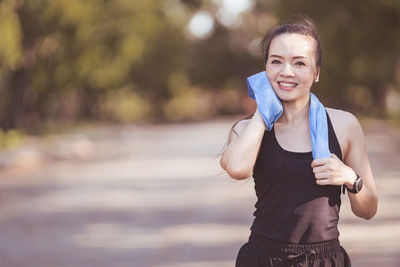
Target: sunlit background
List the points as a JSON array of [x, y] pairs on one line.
[[112, 115]]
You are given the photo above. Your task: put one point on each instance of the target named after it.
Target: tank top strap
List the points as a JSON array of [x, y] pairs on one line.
[[334, 145]]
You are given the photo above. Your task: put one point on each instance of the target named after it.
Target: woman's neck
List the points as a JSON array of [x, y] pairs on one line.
[[295, 112]]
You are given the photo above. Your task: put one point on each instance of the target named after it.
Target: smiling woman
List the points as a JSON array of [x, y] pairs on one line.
[[292, 65], [298, 197]]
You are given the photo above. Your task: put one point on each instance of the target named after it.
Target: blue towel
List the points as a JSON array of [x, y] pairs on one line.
[[270, 107]]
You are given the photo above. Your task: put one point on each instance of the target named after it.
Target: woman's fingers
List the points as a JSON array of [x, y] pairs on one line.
[[320, 169], [323, 181], [317, 162], [328, 171], [322, 175]]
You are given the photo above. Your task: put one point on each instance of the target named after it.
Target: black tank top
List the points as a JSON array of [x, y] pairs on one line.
[[290, 206]]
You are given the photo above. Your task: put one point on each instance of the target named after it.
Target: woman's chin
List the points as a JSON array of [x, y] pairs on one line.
[[285, 96]]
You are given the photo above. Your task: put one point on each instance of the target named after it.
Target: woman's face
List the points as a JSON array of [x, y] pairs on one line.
[[291, 67]]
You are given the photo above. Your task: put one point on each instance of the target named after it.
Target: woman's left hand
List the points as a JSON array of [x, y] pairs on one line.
[[332, 171]]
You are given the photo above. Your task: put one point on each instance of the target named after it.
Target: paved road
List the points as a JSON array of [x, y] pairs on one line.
[[152, 196]]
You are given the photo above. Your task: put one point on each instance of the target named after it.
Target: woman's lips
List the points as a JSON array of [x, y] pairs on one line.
[[287, 86]]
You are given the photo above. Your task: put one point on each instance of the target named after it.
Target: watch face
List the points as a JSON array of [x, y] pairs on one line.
[[359, 185]]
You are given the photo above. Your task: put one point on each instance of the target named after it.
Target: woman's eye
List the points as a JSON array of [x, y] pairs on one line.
[[299, 63], [275, 61]]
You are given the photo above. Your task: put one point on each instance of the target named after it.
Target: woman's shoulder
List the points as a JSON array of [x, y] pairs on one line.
[[341, 118], [346, 126]]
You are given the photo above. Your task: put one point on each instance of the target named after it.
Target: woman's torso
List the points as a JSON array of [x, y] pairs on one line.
[[291, 207]]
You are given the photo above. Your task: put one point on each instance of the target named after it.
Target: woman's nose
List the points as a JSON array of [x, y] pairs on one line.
[[287, 70]]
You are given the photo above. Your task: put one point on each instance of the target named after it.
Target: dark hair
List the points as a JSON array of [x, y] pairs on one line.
[[298, 24]]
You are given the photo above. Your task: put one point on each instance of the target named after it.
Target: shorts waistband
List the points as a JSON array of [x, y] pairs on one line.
[[317, 249]]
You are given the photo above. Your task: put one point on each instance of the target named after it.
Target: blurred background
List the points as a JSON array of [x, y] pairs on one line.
[[113, 112]]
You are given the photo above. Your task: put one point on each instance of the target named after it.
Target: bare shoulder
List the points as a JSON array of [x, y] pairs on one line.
[[342, 120], [346, 126]]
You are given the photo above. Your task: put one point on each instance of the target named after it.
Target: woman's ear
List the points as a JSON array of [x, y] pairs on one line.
[[316, 78]]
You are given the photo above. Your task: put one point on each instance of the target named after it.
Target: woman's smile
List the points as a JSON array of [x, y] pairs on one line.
[[287, 86]]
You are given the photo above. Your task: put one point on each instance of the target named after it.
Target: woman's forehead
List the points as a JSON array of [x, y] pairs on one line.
[[293, 45]]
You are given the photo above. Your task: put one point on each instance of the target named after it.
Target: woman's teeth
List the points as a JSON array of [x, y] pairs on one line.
[[287, 84]]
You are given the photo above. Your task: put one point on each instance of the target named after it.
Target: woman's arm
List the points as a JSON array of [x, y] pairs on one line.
[[365, 203], [241, 152], [355, 161]]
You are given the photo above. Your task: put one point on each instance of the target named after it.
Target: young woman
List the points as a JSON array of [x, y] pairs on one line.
[[298, 198]]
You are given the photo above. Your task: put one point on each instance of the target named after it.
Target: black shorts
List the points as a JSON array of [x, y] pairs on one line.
[[260, 251]]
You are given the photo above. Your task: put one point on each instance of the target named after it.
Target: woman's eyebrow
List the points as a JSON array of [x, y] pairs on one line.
[[299, 57], [296, 57]]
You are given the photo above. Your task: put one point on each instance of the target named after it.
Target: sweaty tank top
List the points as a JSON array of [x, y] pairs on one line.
[[290, 206]]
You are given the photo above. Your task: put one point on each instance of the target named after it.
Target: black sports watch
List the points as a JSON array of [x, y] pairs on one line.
[[357, 186]]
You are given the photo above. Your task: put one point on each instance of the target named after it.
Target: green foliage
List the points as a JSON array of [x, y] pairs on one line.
[[11, 139], [361, 49], [62, 59], [132, 60], [10, 46]]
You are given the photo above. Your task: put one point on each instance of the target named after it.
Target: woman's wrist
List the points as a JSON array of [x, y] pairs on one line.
[[350, 181]]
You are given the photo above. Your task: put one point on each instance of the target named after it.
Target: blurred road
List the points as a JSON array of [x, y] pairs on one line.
[[152, 195]]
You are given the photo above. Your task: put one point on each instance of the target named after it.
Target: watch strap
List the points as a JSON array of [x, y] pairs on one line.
[[354, 189]]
